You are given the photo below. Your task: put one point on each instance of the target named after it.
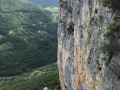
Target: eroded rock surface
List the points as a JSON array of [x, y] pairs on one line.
[[81, 63]]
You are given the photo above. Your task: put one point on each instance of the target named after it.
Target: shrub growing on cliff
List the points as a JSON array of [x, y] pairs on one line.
[[115, 48], [113, 29], [113, 44], [114, 4]]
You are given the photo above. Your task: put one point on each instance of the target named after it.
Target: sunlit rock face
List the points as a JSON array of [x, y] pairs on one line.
[[81, 63]]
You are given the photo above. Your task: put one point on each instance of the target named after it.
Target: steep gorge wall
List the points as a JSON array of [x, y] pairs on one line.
[[81, 63]]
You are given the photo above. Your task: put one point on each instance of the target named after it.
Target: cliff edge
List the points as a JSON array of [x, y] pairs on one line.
[[85, 61]]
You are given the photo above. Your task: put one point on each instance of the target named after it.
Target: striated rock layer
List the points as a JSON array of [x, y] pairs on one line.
[[81, 63]]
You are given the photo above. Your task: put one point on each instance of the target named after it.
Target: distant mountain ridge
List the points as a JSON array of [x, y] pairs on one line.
[[45, 2]]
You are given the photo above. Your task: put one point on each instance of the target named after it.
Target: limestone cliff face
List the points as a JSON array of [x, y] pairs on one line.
[[81, 63]]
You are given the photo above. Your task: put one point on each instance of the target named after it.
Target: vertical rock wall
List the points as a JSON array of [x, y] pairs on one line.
[[81, 29]]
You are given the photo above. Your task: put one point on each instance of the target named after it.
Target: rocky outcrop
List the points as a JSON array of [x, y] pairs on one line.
[[81, 63]]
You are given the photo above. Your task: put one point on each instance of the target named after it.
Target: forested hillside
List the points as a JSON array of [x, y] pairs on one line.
[[38, 79], [27, 37]]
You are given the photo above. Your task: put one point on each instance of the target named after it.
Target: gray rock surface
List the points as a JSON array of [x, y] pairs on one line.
[[81, 63]]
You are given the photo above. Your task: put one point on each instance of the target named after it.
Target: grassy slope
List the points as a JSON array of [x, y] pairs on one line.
[[28, 37], [46, 76]]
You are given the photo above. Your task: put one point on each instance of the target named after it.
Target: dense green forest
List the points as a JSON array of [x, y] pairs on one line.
[[38, 79], [28, 37]]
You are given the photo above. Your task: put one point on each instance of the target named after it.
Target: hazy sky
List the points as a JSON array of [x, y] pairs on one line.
[[46, 2]]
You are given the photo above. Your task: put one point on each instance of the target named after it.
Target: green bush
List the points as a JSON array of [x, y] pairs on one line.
[[110, 48], [113, 36], [113, 44], [114, 4]]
